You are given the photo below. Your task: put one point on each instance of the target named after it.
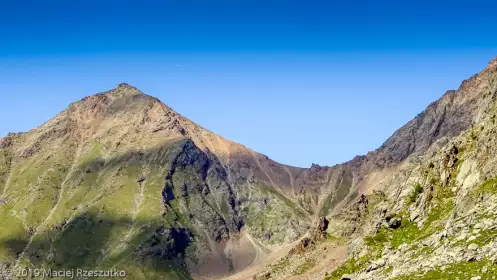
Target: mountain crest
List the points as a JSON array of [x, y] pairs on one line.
[[124, 89]]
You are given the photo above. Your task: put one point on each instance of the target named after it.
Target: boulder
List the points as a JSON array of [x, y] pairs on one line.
[[473, 247], [394, 223], [323, 224]]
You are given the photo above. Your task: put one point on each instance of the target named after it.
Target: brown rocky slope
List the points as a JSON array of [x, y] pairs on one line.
[[426, 200]]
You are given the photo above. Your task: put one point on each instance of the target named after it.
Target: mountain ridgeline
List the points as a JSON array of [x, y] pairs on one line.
[[121, 181]]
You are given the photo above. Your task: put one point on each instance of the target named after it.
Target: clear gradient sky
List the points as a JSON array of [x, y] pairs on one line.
[[300, 81]]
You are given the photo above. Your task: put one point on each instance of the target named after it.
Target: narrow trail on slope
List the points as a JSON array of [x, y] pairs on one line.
[[59, 199]]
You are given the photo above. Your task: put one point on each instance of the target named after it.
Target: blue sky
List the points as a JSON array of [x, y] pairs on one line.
[[301, 81]]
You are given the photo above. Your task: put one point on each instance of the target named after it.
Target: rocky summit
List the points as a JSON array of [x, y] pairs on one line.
[[120, 181]]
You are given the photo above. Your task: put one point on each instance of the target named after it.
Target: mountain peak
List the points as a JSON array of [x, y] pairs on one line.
[[125, 86], [124, 89]]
